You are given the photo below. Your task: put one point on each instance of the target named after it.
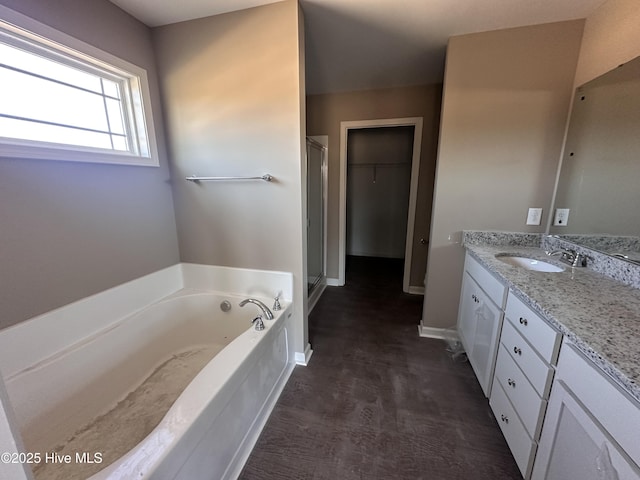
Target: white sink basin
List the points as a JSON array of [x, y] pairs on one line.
[[529, 263]]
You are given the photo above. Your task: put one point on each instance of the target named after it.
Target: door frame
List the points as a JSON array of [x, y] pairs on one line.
[[345, 126]]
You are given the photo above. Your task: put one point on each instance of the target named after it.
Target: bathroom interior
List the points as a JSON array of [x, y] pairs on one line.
[[496, 121]]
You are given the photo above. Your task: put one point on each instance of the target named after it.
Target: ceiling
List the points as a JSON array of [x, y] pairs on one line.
[[365, 44]]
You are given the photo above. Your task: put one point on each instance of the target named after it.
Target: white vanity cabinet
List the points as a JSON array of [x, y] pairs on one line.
[[480, 319], [524, 373], [592, 426]]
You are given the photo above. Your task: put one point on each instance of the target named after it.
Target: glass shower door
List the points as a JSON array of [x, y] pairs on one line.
[[315, 213]]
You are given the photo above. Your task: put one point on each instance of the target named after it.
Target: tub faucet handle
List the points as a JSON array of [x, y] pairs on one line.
[[276, 303], [259, 323]]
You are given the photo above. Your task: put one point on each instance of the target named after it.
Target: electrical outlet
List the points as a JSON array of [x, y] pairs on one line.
[[534, 217], [561, 217]]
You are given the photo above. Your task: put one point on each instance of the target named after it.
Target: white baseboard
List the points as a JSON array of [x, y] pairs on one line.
[[302, 358], [334, 282], [449, 334], [416, 290]]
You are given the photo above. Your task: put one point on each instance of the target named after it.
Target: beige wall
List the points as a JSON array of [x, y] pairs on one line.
[[324, 114], [505, 104], [232, 92], [69, 230], [611, 37]]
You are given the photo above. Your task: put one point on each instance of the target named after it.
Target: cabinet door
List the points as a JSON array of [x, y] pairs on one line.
[[479, 324], [575, 446], [466, 317]]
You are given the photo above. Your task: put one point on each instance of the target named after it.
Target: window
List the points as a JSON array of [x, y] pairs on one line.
[[58, 102]]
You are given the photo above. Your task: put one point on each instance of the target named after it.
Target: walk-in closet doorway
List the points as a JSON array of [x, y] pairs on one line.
[[379, 162]]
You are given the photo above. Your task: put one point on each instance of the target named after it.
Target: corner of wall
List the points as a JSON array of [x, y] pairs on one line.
[[505, 91], [611, 37]]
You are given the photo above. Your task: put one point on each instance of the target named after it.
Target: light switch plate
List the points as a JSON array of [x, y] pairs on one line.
[[534, 217], [561, 217]]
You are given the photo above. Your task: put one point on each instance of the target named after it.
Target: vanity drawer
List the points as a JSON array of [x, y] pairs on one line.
[[537, 371], [534, 329], [521, 445], [524, 398], [494, 289]]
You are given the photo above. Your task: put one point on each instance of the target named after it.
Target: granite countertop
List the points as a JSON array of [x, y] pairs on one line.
[[599, 315]]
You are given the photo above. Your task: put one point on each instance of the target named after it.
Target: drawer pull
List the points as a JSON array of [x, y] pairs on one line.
[[523, 321], [504, 418], [511, 383], [517, 351]]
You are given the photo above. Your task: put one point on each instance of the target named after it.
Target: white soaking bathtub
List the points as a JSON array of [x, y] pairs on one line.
[[179, 389]]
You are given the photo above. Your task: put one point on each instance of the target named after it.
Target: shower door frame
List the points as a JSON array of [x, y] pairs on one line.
[[316, 291]]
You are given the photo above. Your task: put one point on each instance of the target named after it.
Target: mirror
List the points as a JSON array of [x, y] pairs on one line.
[[600, 173]]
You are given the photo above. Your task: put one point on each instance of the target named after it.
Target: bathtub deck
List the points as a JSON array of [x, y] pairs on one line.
[[118, 431]]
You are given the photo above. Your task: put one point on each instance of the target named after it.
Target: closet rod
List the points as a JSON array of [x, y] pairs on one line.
[[400, 164], [193, 178]]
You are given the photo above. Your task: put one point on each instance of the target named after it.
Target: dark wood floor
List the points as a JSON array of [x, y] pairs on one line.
[[377, 401]]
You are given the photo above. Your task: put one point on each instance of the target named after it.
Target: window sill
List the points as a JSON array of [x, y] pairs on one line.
[[74, 154]]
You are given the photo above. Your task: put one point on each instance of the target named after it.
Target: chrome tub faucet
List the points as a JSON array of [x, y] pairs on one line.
[[268, 314]]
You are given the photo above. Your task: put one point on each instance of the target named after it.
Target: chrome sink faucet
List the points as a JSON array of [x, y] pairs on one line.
[[570, 257], [265, 310]]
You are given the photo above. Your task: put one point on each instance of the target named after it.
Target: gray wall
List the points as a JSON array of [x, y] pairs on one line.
[[233, 91], [68, 230], [505, 105]]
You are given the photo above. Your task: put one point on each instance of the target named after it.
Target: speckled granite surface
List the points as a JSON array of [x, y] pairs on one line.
[[600, 315], [610, 244], [618, 269], [477, 237]]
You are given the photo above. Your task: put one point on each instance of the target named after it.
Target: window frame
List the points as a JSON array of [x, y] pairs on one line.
[[136, 96]]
